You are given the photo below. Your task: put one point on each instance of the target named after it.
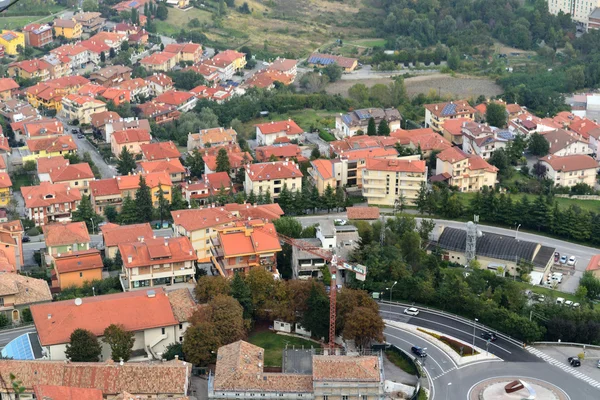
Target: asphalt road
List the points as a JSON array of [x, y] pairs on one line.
[[8, 335], [569, 284]]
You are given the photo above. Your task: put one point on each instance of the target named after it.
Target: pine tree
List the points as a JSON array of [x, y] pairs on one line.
[[143, 201], [383, 129], [223, 164], [371, 128], [129, 213], [126, 163], [177, 200], [223, 196], [252, 197], [315, 199], [260, 199], [421, 201], [340, 198], [195, 163], [242, 293], [83, 347], [267, 199], [316, 316], [285, 199], [329, 198], [163, 206], [85, 213]]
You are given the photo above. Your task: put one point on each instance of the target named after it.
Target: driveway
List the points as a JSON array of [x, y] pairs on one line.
[[315, 139]]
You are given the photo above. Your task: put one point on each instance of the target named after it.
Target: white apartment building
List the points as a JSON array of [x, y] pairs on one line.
[[271, 177], [385, 181]]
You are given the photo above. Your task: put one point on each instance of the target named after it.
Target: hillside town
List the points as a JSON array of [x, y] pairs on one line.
[[185, 221]]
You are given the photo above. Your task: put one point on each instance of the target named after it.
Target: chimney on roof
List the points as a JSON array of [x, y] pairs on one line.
[[129, 259], [49, 316]]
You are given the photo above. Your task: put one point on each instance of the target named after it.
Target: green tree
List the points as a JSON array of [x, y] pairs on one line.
[[111, 214], [288, 226], [162, 12], [241, 292], [592, 285], [195, 163], [371, 128], [364, 325], [383, 129], [538, 145], [425, 228], [495, 115], [120, 341], [143, 201], [126, 163], [129, 213], [227, 315], [328, 198], [17, 386], [85, 213], [83, 346], [4, 321], [200, 343], [285, 199], [178, 202], [172, 350], [316, 316], [208, 287], [453, 60], [223, 164], [333, 72], [315, 153]]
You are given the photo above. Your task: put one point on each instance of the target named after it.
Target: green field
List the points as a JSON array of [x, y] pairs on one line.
[[549, 293], [367, 42], [21, 21], [589, 205], [274, 345]]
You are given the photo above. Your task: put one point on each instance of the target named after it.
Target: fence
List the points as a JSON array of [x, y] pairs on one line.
[[579, 196]]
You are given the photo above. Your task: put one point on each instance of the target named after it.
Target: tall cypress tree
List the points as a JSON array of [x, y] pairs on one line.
[[371, 128], [129, 214], [223, 164], [383, 129], [143, 201]]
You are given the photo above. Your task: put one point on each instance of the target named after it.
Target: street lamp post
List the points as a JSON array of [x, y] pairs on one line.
[[448, 389], [517, 234], [391, 289], [473, 348], [92, 221]]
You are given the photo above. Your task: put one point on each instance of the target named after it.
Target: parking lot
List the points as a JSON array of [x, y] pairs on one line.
[[589, 365]]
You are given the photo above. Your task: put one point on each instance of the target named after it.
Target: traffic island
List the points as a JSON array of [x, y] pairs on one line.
[[515, 388]]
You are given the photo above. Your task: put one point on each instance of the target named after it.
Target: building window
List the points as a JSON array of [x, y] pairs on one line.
[[162, 330], [344, 397], [325, 397], [364, 397], [1, 301], [180, 326], [81, 274]]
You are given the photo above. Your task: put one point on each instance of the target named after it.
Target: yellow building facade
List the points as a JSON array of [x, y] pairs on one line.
[[70, 28], [11, 40]]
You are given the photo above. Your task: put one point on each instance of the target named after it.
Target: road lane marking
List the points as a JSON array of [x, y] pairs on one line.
[[425, 340]]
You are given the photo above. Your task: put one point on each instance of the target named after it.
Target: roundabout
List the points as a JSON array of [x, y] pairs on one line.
[[517, 388]]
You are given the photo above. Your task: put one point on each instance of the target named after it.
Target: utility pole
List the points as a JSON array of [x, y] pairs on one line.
[[382, 233]]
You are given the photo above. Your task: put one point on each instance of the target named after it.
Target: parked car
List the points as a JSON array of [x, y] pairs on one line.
[[411, 311], [541, 297], [568, 303], [576, 305], [491, 336], [340, 221], [26, 239], [74, 130], [572, 261], [556, 256], [563, 260], [560, 301], [598, 364], [575, 361], [80, 136], [418, 351]]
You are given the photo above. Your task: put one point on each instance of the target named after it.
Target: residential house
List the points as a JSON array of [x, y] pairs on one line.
[[69, 28], [59, 66], [217, 94], [267, 133], [81, 108], [266, 79], [49, 94], [138, 88], [38, 35], [78, 55], [30, 69], [17, 111], [124, 124], [339, 147], [11, 40], [159, 113], [452, 130], [209, 72], [279, 152], [76, 268], [437, 114], [594, 266], [171, 166], [18, 292], [130, 138], [159, 151], [358, 120], [146, 313], [322, 174], [45, 165], [183, 101], [223, 68], [271, 177], [117, 96], [482, 140], [47, 202], [104, 193], [200, 226], [161, 61], [322, 60], [126, 28], [589, 130], [349, 164], [387, 182], [191, 52], [5, 189], [48, 147], [111, 75], [39, 129], [113, 40], [101, 119], [527, 124], [265, 212], [468, 172], [570, 170], [359, 376], [77, 176], [169, 379], [562, 143], [156, 181], [11, 240], [285, 66], [113, 234], [424, 140], [7, 88], [157, 262], [237, 160], [207, 189], [159, 83], [235, 58], [66, 238], [90, 21], [211, 137], [245, 246]]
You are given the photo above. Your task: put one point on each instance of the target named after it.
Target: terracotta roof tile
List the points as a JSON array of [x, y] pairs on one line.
[[173, 97], [104, 187], [160, 79], [202, 218], [346, 368], [264, 153], [61, 234], [157, 58], [71, 172], [5, 181], [27, 290], [594, 264], [215, 135], [157, 251], [182, 303], [251, 240], [52, 144], [50, 392], [115, 234], [395, 165], [575, 162], [160, 151], [37, 196], [362, 212], [323, 167], [172, 166], [266, 212], [236, 160], [344, 62], [78, 261], [135, 135], [289, 127], [102, 118], [7, 84], [454, 126], [273, 170], [450, 109], [136, 311], [228, 56]]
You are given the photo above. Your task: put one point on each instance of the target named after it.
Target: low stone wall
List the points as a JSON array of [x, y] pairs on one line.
[[579, 196]]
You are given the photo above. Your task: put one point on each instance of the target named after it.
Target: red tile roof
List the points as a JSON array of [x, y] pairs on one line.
[[115, 234], [228, 56], [102, 118], [575, 162], [7, 84], [283, 64], [280, 151], [91, 89], [81, 100], [71, 172], [373, 152], [5, 181], [78, 261], [136, 311], [362, 212], [153, 179], [50, 392], [135, 135], [37, 196], [236, 160], [432, 141], [253, 240], [43, 127], [323, 167], [132, 84], [31, 66], [62, 234], [157, 58], [288, 126], [160, 151], [157, 251], [104, 187], [374, 164], [217, 179], [454, 126], [273, 170], [454, 155], [267, 212], [344, 62], [44, 165], [174, 97], [594, 264], [183, 48], [346, 368], [202, 218], [52, 144], [171, 166], [160, 79], [461, 107]]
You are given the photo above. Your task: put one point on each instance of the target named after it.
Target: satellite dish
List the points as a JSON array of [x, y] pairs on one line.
[[78, 301]]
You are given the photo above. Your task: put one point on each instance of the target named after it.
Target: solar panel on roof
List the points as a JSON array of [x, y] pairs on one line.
[[363, 114], [449, 109]]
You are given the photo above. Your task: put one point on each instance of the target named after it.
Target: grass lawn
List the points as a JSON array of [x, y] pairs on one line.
[[304, 118], [589, 205], [549, 293], [21, 180], [368, 42], [274, 345], [21, 21], [401, 362]]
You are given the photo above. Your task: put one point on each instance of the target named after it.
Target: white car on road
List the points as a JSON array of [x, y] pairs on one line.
[[572, 261], [411, 311]]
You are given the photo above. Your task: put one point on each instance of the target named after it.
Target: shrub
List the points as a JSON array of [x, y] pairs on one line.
[[326, 136]]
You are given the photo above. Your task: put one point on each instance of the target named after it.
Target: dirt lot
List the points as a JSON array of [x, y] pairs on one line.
[[456, 87]]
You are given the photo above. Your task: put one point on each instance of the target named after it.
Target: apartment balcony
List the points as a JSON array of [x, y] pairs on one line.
[[369, 184], [374, 193], [373, 175]]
